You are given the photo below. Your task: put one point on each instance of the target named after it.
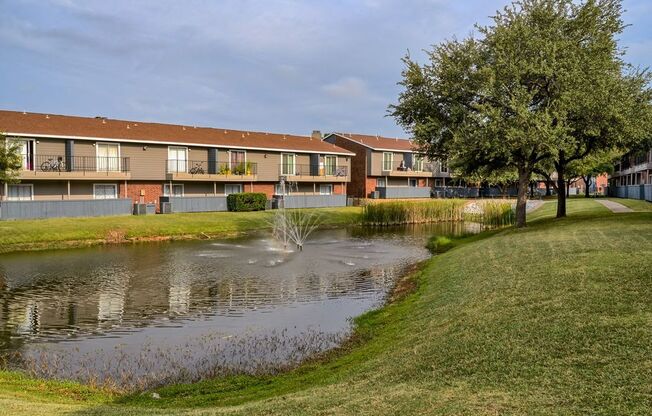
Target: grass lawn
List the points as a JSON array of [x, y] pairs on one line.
[[70, 232], [552, 319], [635, 204]]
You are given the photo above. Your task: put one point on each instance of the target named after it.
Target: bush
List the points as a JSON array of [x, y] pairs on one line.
[[247, 201]]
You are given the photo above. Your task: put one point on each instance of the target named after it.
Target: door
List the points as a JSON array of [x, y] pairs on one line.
[[26, 151], [238, 160], [177, 159], [108, 157], [288, 166], [330, 164]]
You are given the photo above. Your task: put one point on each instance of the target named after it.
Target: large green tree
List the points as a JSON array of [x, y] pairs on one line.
[[10, 161], [513, 98]]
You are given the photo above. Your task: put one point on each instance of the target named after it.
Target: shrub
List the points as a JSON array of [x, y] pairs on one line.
[[439, 244], [247, 201]]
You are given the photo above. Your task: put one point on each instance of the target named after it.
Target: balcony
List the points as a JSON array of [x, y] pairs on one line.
[[201, 170], [422, 170], [314, 173], [60, 167]]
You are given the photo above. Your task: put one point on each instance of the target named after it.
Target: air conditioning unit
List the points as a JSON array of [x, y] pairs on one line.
[[140, 209], [166, 208]]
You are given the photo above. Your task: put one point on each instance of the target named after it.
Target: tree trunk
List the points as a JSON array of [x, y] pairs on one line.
[[561, 192], [548, 193], [521, 201], [587, 183]]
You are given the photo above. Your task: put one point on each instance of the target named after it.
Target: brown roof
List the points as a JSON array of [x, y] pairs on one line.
[[379, 142], [16, 122]]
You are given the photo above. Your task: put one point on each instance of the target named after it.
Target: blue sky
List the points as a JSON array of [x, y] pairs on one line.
[[280, 66]]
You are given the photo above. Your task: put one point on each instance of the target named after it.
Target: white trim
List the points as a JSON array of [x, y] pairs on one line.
[[28, 185], [219, 146], [97, 157], [115, 185]]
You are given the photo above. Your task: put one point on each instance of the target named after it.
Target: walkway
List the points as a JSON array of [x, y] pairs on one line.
[[614, 206]]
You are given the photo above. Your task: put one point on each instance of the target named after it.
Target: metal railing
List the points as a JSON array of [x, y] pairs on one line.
[[424, 167], [62, 163], [292, 169], [203, 167]]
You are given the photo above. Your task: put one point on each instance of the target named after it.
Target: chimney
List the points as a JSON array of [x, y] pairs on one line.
[[316, 134]]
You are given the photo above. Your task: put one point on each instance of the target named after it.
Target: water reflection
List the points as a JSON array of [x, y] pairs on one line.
[[94, 302]]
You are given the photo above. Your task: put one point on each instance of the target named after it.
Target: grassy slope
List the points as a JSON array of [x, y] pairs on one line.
[[66, 232], [556, 318]]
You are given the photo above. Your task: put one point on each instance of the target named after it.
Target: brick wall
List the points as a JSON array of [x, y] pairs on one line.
[[152, 191], [267, 188], [358, 186]]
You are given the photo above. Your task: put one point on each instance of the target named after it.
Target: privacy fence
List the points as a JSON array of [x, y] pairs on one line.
[[642, 192], [17, 210]]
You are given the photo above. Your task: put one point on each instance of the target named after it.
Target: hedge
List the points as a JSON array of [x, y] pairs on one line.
[[247, 201]]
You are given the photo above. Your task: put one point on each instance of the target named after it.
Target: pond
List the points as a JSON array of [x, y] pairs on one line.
[[143, 315]]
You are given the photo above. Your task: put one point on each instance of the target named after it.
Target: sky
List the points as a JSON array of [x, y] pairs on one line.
[[283, 66]]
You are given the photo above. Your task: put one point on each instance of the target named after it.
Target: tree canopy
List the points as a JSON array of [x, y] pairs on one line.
[[544, 84], [10, 161]]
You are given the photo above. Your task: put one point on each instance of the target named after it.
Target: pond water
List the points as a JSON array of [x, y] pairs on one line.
[[142, 315]]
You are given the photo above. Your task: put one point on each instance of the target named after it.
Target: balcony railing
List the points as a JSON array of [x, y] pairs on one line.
[[202, 167], [60, 163], [423, 167], [313, 170]]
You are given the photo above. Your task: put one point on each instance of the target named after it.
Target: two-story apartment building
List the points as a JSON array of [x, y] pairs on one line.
[[389, 168], [80, 158], [632, 176]]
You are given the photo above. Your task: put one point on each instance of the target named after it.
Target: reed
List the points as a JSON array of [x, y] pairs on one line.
[[492, 214], [413, 212]]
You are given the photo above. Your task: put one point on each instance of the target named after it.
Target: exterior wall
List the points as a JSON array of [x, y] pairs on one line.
[[359, 186], [50, 147], [145, 192]]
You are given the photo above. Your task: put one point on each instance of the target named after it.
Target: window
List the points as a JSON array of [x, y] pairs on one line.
[[108, 157], [413, 183], [105, 191], [177, 159], [326, 189], [388, 160], [177, 189], [443, 167], [330, 165], [417, 165], [232, 188], [380, 182], [288, 166], [23, 192]]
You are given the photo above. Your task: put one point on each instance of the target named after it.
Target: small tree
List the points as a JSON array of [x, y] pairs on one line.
[[11, 161]]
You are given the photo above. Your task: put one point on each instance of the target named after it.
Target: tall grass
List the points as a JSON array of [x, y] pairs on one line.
[[413, 212], [493, 213]]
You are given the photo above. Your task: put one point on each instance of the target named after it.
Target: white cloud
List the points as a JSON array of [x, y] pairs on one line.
[[349, 87]]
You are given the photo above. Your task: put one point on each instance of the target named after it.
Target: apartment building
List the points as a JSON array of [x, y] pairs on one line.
[[632, 177], [68, 158], [389, 168]]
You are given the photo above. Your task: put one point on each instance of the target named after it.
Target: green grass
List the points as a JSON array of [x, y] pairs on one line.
[[552, 319], [579, 207], [75, 232], [635, 204]]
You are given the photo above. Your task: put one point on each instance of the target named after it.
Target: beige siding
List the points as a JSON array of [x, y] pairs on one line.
[[50, 147], [268, 167]]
